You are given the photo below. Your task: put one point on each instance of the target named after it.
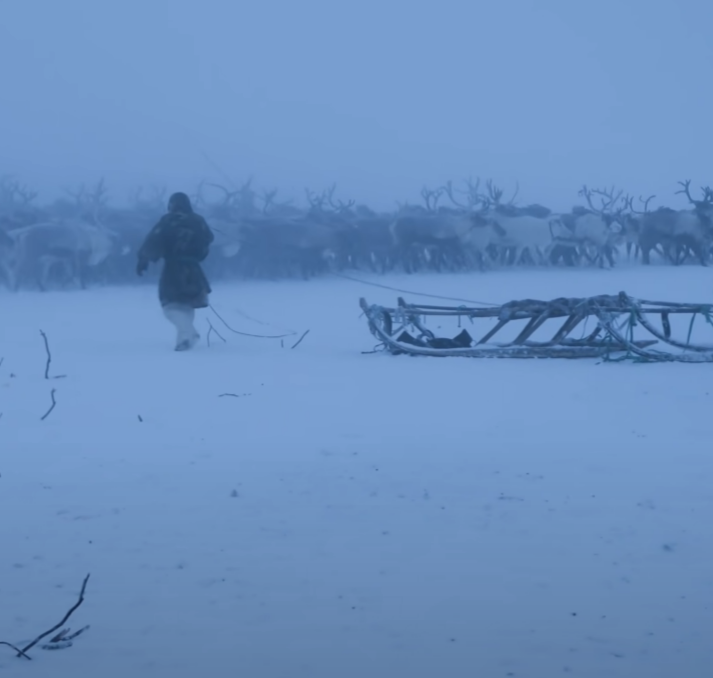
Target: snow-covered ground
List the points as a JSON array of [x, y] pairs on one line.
[[350, 515]]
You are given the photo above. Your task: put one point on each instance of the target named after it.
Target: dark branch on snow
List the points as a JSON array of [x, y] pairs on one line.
[[20, 653], [60, 641], [299, 341], [49, 358], [54, 404]]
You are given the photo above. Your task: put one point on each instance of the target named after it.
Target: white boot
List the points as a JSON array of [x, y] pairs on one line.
[[182, 319]]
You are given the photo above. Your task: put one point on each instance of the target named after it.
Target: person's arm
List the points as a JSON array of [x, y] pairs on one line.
[[152, 249]]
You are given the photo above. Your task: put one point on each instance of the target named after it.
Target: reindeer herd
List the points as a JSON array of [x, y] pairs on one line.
[[83, 240]]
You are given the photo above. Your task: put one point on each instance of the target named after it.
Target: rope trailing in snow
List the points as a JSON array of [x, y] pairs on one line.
[[410, 292], [247, 334]]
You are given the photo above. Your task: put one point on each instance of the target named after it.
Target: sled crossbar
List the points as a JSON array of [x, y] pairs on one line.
[[401, 329]]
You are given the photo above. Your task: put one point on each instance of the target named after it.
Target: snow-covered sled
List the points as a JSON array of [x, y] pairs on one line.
[[618, 320]]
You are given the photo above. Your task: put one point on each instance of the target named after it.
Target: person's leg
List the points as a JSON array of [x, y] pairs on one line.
[[181, 317], [194, 335]]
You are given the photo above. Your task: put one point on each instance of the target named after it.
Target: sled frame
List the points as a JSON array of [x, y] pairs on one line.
[[611, 339]]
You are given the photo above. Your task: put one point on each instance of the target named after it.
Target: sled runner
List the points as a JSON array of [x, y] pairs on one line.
[[618, 319]]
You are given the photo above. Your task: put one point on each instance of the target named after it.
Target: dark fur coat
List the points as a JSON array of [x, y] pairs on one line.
[[182, 239]]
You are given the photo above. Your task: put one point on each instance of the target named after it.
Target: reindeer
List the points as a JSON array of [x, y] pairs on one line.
[[60, 250], [18, 205], [695, 227], [595, 228], [677, 232], [332, 228], [237, 203], [271, 207], [440, 236], [66, 247], [8, 254], [372, 245], [278, 245], [13, 195], [152, 204], [87, 204], [233, 231], [520, 230], [631, 223]]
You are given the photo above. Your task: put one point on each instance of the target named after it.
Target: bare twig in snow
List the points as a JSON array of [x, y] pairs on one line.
[[299, 341], [62, 639], [20, 653], [49, 358], [54, 404], [49, 355], [212, 329]]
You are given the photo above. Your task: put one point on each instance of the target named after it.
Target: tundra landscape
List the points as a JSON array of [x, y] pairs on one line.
[[436, 398]]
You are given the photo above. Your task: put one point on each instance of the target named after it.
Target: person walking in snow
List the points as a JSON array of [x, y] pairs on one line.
[[182, 239]]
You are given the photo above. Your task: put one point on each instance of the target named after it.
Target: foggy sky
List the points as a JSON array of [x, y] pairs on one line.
[[380, 96]]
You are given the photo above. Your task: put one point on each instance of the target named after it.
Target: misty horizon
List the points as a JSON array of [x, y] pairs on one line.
[[380, 98]]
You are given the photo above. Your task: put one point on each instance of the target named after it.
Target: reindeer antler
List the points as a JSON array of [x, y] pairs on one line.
[[340, 205], [608, 198], [514, 195], [11, 191], [78, 195], [315, 201], [230, 196], [686, 190], [494, 193], [646, 202], [450, 192], [431, 197]]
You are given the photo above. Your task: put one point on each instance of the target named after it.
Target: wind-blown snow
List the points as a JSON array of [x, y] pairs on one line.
[[350, 515]]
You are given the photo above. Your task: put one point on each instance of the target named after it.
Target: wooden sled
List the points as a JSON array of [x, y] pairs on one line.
[[402, 330]]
